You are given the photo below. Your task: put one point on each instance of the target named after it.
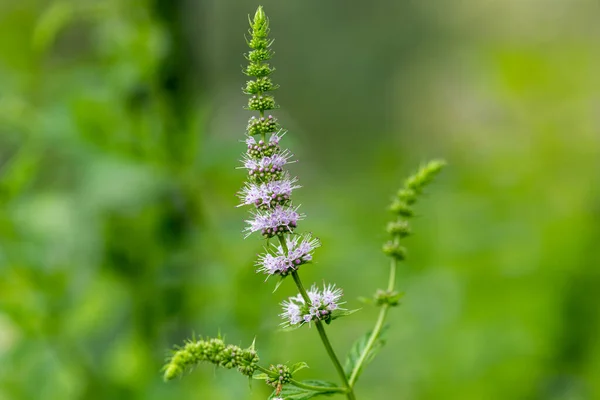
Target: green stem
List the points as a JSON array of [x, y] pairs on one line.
[[392, 278], [283, 244], [304, 385], [335, 360], [320, 328], [325, 340], [377, 329]]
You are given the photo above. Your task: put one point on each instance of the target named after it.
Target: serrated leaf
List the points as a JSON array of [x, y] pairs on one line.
[[359, 347], [298, 366], [290, 392]]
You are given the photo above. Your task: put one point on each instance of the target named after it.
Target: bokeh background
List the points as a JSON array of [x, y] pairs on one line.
[[120, 123]]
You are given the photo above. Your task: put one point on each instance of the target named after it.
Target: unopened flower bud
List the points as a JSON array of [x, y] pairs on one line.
[[394, 250]]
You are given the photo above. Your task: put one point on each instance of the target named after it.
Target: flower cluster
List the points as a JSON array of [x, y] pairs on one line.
[[214, 351], [269, 190], [280, 375], [275, 221], [269, 194], [280, 262], [297, 311], [269, 187]]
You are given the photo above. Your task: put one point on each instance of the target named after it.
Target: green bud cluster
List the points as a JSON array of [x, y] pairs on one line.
[[393, 249], [262, 149], [260, 85], [259, 69], [214, 351], [261, 126], [390, 297], [259, 55], [399, 228], [268, 174], [402, 207], [261, 103], [279, 375]]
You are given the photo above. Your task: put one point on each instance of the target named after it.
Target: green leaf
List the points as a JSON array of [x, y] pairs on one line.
[[341, 313], [290, 392], [290, 328], [278, 283], [298, 366], [359, 347]]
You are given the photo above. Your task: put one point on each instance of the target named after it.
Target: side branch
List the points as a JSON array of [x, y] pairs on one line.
[[376, 330], [306, 386]]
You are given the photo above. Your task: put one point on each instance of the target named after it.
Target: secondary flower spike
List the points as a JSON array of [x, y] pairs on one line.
[[213, 351]]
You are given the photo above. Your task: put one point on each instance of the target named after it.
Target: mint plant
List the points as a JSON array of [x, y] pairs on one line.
[[268, 191]]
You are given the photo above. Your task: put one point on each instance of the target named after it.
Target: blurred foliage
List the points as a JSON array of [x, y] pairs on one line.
[[119, 129]]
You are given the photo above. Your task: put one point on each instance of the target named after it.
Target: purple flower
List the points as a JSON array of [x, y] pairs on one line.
[[276, 221], [276, 162], [300, 250], [260, 149], [322, 304], [266, 168], [274, 139], [268, 194]]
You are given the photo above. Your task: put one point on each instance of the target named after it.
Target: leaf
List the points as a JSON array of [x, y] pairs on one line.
[[340, 313], [290, 328], [278, 284], [291, 392], [298, 366], [359, 347], [261, 376]]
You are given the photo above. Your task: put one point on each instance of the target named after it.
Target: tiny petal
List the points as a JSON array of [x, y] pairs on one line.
[[322, 302], [279, 262], [274, 221], [268, 194], [266, 168]]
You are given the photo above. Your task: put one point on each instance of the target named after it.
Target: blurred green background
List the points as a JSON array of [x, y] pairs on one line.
[[120, 123]]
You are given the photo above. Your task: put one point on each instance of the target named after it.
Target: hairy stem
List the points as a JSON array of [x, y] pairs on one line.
[[377, 329]]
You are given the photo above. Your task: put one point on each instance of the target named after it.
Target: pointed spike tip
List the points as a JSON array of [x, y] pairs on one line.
[[260, 22], [259, 15]]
